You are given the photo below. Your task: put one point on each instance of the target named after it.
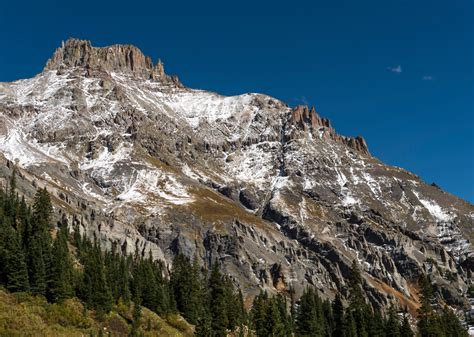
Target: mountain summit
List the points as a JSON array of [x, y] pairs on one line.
[[117, 58], [272, 192]]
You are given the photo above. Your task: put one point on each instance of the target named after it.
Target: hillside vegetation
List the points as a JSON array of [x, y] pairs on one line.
[[58, 283], [22, 314]]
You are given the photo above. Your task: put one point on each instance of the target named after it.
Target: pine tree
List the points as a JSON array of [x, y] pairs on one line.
[[118, 275], [392, 324], [258, 314], [94, 288], [338, 310], [123, 279], [405, 329], [23, 222], [203, 327], [61, 283], [150, 284], [217, 303], [357, 305], [273, 319], [451, 325], [308, 322], [328, 318], [429, 322], [42, 210], [137, 314], [350, 327], [375, 324], [186, 283], [233, 304], [38, 245], [14, 264], [243, 317], [36, 265]]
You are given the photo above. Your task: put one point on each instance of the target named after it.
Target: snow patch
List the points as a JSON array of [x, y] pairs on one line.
[[16, 148], [435, 210]]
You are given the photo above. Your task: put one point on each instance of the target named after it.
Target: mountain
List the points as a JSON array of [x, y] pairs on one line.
[[273, 192]]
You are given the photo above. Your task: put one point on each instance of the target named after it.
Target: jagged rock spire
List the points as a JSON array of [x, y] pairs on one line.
[[309, 120], [117, 58]]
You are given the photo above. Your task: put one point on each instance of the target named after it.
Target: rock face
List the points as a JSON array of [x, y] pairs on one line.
[[118, 58], [309, 122], [271, 191]]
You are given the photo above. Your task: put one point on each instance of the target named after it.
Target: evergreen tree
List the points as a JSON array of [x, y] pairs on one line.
[[94, 288], [405, 329], [309, 320], [186, 284], [350, 327], [23, 222], [357, 305], [38, 245], [217, 303], [137, 314], [118, 275], [234, 304], [11, 200], [36, 265], [61, 283], [149, 282], [273, 320], [15, 272], [123, 280], [428, 323], [258, 314], [339, 324], [392, 324], [284, 315], [451, 325], [375, 324], [203, 327], [42, 210]]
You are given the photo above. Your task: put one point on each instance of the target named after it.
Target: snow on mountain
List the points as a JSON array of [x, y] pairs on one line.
[[273, 191]]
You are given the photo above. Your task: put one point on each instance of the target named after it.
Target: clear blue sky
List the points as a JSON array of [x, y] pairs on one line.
[[400, 73]]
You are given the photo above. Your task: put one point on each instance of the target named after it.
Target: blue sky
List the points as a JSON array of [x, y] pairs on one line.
[[400, 73]]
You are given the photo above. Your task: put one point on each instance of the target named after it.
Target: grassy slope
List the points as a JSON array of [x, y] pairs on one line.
[[25, 315]]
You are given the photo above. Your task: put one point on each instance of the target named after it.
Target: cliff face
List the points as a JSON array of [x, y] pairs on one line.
[[271, 191], [124, 59]]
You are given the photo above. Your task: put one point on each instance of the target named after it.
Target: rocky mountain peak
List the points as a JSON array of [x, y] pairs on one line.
[[273, 192], [308, 120], [126, 59]]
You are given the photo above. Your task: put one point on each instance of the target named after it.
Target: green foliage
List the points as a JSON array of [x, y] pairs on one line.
[[392, 324], [338, 312], [203, 327], [405, 329], [188, 288], [137, 314], [31, 262], [432, 323], [310, 320], [61, 282], [12, 259], [152, 287], [270, 317], [94, 288]]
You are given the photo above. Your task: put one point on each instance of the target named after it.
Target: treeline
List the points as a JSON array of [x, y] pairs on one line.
[[313, 316], [36, 257]]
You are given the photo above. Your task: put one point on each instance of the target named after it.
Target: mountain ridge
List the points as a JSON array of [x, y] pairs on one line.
[[272, 191]]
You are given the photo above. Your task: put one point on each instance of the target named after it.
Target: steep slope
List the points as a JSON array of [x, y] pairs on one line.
[[271, 191]]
